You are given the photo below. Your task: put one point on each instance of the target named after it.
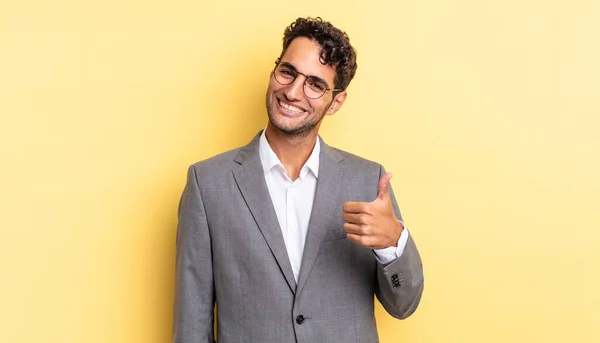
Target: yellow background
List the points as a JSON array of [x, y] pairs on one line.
[[486, 111]]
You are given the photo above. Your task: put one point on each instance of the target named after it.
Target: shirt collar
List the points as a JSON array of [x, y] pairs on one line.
[[269, 159]]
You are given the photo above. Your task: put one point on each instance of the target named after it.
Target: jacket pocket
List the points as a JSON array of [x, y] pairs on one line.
[[334, 234]]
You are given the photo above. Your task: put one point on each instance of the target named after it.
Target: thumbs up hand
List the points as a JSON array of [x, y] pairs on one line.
[[373, 224]]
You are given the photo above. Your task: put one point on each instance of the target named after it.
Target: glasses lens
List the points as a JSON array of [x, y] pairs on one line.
[[284, 75], [314, 88]]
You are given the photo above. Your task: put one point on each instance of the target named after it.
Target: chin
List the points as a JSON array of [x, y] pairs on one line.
[[289, 125], [292, 130]]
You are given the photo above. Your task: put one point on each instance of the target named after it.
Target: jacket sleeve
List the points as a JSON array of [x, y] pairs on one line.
[[400, 283], [194, 288]]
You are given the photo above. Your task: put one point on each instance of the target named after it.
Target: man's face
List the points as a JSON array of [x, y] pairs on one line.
[[290, 110]]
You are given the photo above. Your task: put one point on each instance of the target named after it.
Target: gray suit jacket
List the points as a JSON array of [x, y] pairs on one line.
[[230, 249]]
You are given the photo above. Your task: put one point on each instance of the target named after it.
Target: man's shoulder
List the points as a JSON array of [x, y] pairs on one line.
[[227, 160], [354, 161], [217, 163]]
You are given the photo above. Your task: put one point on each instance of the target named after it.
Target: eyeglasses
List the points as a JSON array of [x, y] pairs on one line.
[[314, 87]]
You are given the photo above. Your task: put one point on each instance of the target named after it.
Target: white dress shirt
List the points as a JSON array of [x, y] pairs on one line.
[[293, 201]]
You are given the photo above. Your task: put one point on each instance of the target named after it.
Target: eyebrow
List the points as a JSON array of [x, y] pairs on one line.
[[288, 65]]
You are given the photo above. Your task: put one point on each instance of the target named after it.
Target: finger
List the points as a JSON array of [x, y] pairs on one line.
[[357, 218], [354, 238], [383, 186], [356, 207], [364, 241], [352, 228]]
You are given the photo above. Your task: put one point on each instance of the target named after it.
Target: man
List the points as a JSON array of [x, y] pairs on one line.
[[290, 237]]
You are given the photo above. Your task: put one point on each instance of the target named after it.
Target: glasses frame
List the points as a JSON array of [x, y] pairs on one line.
[[306, 77]]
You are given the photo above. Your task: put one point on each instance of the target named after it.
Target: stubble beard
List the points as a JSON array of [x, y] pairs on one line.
[[303, 129]]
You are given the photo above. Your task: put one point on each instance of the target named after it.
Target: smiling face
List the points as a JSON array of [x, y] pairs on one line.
[[290, 111]]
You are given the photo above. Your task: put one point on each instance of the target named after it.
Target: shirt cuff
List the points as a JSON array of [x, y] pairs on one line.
[[389, 254]]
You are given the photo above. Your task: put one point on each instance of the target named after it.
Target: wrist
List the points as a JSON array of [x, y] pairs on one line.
[[398, 232]]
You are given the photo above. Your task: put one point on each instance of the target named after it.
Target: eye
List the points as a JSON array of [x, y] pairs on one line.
[[317, 85], [287, 72]]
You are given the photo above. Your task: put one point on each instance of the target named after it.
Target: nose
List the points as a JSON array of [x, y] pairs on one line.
[[295, 90]]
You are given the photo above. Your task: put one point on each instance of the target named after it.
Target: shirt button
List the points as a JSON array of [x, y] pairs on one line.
[[300, 319]]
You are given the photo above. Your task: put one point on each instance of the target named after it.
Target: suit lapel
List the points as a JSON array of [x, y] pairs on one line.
[[250, 179], [326, 207]]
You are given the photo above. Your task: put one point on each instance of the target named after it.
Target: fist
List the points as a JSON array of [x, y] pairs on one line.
[[373, 224]]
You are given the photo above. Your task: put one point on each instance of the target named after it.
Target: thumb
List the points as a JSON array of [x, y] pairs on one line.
[[383, 186]]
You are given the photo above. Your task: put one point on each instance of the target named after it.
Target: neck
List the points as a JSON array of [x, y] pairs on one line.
[[292, 150]]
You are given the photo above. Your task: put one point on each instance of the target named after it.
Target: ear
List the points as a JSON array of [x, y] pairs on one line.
[[337, 102]]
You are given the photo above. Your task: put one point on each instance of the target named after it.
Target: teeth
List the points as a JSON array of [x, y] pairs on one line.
[[290, 108]]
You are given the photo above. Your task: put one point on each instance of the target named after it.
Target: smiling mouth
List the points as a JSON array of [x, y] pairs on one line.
[[289, 108]]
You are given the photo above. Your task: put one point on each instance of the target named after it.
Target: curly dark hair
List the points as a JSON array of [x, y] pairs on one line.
[[336, 50]]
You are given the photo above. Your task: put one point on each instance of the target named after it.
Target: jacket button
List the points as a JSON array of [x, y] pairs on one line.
[[300, 319]]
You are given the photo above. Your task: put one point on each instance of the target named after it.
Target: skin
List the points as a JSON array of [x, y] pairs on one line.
[[373, 224], [292, 135]]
